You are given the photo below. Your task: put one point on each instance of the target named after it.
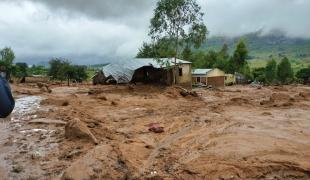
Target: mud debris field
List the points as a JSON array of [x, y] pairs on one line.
[[150, 132]]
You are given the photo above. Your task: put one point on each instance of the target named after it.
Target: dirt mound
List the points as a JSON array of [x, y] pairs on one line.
[[102, 162], [55, 102], [305, 95], [44, 87], [238, 101], [280, 88], [76, 129], [278, 99], [172, 93]]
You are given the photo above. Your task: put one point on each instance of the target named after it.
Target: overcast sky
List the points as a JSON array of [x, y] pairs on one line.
[[94, 31]]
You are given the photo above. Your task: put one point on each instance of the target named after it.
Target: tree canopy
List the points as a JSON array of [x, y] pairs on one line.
[[284, 71], [240, 55], [271, 71], [7, 57], [61, 69], [178, 19], [304, 75]]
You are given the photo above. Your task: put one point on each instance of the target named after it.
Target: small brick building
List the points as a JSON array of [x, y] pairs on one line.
[[214, 77]]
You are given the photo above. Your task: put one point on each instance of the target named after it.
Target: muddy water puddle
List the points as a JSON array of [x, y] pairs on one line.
[[20, 141], [25, 106]]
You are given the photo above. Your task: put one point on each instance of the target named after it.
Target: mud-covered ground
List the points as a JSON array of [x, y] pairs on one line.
[[102, 132]]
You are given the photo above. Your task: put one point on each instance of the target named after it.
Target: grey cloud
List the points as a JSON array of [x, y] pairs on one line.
[[237, 17], [89, 30], [130, 12]]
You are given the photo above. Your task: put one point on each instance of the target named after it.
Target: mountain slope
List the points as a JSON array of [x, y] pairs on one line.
[[262, 46]]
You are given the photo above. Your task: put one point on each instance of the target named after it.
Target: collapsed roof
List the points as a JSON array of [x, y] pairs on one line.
[[122, 72]]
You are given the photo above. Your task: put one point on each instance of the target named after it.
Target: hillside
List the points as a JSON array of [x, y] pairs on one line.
[[261, 47]]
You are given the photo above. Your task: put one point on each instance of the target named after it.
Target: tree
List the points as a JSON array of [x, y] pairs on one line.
[[7, 59], [187, 52], [222, 58], [240, 55], [146, 51], [80, 73], [304, 75], [210, 59], [231, 66], [63, 70], [246, 70], [178, 19], [223, 54], [198, 59], [20, 70], [57, 69], [162, 48], [221, 63], [259, 74], [7, 55], [285, 71], [271, 71]]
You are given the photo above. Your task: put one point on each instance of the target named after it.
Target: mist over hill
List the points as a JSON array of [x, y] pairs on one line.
[[262, 46]]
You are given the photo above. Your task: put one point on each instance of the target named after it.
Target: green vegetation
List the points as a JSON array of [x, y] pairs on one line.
[[259, 74], [61, 69], [6, 62], [285, 72], [178, 19], [20, 70], [271, 71], [160, 49], [37, 70], [304, 75]]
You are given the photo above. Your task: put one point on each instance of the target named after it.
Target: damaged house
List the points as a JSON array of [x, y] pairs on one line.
[[146, 70]]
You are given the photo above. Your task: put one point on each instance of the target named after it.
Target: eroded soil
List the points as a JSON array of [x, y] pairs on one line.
[[239, 132]]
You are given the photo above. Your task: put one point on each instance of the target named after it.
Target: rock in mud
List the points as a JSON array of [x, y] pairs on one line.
[[194, 93], [44, 87], [156, 128], [76, 129], [17, 169], [102, 97], [184, 93], [113, 103]]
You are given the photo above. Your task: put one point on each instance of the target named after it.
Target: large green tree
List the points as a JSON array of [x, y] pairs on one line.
[[187, 53], [222, 59], [271, 71], [259, 74], [304, 75], [56, 68], [284, 71], [20, 70], [61, 69], [7, 57], [178, 19], [162, 48], [240, 55]]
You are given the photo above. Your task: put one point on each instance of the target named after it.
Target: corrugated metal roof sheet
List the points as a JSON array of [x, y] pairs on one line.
[[200, 71], [123, 71]]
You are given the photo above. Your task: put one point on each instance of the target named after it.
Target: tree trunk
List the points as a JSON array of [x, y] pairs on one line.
[[175, 58]]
